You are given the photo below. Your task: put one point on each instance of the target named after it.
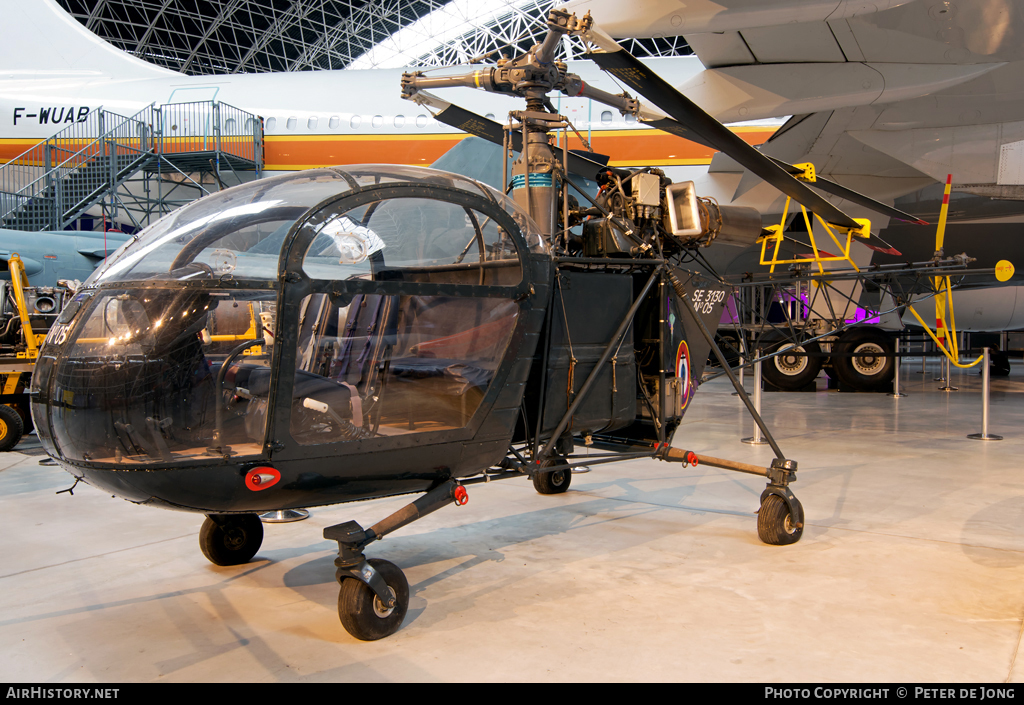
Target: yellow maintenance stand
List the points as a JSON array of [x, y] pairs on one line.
[[18, 355]]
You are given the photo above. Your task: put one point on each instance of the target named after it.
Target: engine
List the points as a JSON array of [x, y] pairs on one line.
[[639, 210]]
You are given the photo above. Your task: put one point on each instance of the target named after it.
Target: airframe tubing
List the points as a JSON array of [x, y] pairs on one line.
[[619, 332]]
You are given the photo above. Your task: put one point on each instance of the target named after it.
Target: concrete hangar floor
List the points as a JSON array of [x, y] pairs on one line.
[[910, 566]]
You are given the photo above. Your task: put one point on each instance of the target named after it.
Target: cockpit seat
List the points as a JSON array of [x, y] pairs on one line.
[[255, 379]]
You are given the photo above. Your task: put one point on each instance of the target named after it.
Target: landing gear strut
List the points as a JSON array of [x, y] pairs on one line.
[[374, 595]]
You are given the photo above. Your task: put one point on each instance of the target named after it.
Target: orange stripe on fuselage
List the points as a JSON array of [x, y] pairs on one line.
[[643, 147], [640, 147], [9, 149]]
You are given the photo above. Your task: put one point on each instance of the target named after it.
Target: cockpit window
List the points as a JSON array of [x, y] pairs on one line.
[[372, 366], [139, 381], [414, 239], [237, 232]]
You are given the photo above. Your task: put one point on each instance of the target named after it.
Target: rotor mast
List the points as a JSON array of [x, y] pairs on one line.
[[538, 173]]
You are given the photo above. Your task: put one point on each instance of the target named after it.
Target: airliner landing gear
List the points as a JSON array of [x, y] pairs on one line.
[[863, 359], [794, 367]]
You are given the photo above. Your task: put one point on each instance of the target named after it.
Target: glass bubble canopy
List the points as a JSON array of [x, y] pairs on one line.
[[239, 232]]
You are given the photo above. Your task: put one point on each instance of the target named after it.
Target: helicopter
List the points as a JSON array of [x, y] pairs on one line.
[[337, 335]]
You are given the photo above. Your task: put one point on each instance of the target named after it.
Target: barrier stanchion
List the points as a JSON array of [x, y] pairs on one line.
[[756, 439], [947, 382], [984, 435], [740, 375], [896, 393]]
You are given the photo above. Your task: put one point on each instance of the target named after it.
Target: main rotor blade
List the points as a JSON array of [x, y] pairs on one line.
[[708, 131], [848, 194], [582, 163], [827, 185]]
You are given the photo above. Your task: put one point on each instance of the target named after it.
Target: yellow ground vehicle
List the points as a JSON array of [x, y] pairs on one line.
[[26, 314]]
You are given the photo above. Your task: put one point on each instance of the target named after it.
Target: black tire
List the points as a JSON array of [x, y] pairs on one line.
[[873, 368], [729, 345], [999, 364], [11, 428], [775, 522], [555, 482], [231, 540], [792, 372], [361, 611], [25, 412]]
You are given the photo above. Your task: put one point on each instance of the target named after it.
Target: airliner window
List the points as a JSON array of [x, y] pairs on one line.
[[414, 240], [157, 375], [355, 122], [376, 366]]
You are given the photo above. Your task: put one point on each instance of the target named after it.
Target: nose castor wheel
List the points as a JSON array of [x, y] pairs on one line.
[[363, 614], [775, 522]]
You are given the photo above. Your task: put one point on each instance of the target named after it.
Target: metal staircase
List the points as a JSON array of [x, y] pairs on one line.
[[90, 162]]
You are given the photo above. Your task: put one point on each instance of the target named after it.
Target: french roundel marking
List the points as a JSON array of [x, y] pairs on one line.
[[683, 372]]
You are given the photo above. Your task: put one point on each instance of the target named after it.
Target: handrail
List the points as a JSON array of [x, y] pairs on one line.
[[55, 136], [166, 132]]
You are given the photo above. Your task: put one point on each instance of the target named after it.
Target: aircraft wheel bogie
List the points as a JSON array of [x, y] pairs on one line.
[[555, 482], [363, 614], [792, 372], [775, 522], [874, 369], [231, 540], [11, 427]]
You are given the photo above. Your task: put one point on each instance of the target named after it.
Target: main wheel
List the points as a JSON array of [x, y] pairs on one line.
[[362, 613], [25, 412], [232, 540], [999, 364], [791, 369], [862, 359], [775, 522], [11, 427], [555, 482]]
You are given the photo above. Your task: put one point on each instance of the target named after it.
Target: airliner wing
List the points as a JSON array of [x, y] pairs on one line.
[[886, 97]]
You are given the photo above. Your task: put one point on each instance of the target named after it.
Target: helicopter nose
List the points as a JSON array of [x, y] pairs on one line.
[[261, 478]]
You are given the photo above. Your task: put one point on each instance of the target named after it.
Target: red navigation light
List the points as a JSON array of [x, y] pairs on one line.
[[261, 478]]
